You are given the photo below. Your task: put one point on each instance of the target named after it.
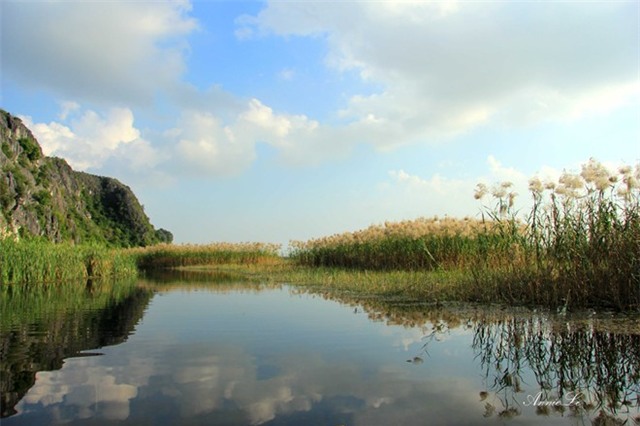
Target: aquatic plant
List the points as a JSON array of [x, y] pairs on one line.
[[38, 262], [172, 255], [424, 243], [578, 246]]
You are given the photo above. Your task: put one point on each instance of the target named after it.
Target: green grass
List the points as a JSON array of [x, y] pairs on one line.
[[173, 256], [37, 262]]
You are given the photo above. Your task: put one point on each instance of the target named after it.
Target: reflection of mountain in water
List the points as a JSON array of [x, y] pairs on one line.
[[43, 344]]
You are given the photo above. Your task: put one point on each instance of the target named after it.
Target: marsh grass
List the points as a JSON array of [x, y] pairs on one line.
[[426, 286], [36, 262], [421, 244], [579, 246], [172, 256]]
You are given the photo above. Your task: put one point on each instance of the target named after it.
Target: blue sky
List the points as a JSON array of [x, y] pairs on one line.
[[288, 120]]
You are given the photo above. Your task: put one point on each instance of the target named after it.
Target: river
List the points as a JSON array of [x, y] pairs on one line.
[[212, 351]]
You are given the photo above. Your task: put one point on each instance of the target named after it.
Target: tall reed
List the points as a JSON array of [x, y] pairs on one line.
[[170, 255], [421, 244], [580, 246], [37, 262]]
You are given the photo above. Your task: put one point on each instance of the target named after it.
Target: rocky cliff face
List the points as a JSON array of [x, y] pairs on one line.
[[43, 196]]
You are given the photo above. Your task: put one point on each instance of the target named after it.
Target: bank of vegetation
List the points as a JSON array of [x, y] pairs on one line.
[[578, 246], [35, 262], [185, 255]]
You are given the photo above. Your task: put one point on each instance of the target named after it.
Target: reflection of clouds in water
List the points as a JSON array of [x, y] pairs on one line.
[[404, 337], [204, 381], [198, 380], [90, 389]]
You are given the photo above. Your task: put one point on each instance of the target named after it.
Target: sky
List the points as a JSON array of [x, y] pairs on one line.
[[289, 120]]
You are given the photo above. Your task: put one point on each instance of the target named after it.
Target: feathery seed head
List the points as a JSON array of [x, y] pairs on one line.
[[594, 171], [625, 170], [602, 183], [481, 191], [535, 186], [571, 181], [499, 192]]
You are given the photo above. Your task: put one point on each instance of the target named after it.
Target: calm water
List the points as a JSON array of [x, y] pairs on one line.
[[224, 353]]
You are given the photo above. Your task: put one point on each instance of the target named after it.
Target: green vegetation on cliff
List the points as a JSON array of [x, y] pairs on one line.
[[42, 196]]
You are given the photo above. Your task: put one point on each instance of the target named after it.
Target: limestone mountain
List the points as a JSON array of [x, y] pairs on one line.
[[43, 196]]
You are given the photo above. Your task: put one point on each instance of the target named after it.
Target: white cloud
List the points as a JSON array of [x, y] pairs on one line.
[[97, 51], [443, 68], [447, 67], [90, 139], [199, 142], [435, 195], [207, 145], [68, 107], [504, 174]]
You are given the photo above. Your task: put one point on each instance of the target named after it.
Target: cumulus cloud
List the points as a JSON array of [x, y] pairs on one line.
[[441, 69], [88, 139], [207, 145], [197, 143], [447, 67], [98, 51]]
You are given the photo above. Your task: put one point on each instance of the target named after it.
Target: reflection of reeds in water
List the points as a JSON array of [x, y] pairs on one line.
[[594, 355], [567, 359], [43, 303], [211, 280]]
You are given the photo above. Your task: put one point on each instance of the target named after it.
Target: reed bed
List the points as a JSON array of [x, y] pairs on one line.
[[421, 244], [578, 246], [36, 262], [581, 245], [172, 256]]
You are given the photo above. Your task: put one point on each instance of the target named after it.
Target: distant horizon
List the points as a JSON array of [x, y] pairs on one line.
[[276, 121]]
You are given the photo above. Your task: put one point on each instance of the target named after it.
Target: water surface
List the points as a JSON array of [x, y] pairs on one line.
[[232, 353]]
